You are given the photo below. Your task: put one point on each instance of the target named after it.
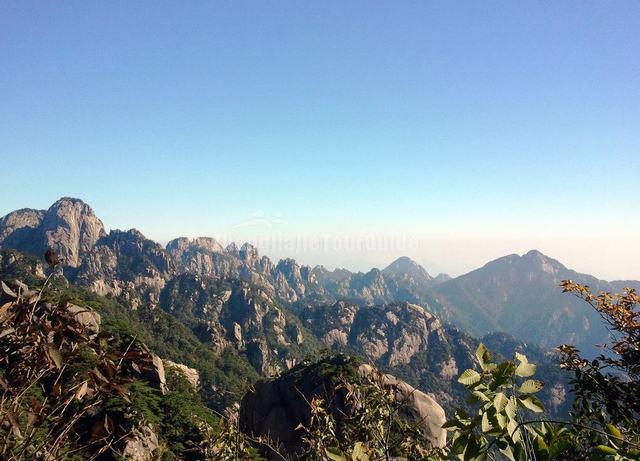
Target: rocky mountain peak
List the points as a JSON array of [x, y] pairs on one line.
[[535, 260], [181, 244], [441, 278], [72, 227], [405, 265], [18, 229], [248, 253]]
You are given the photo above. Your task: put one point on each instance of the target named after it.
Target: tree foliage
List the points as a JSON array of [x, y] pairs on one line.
[[607, 389]]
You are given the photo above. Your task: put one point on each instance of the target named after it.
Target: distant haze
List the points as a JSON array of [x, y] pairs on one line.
[[605, 259]]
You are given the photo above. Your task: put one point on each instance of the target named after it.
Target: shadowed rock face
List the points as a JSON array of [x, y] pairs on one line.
[[275, 408], [20, 229]]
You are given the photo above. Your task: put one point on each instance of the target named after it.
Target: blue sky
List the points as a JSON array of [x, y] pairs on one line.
[[473, 130]]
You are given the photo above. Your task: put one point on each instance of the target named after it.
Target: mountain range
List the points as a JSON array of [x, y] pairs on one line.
[[515, 294], [269, 316]]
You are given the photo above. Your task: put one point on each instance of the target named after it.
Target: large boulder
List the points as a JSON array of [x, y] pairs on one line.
[[190, 374], [141, 444], [275, 408], [415, 404], [86, 317]]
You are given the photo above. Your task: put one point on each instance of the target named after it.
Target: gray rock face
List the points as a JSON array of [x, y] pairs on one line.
[[202, 255], [141, 444], [152, 369], [86, 317], [127, 263], [71, 227], [190, 374], [275, 408], [234, 314], [390, 334], [261, 358], [20, 230], [416, 405]]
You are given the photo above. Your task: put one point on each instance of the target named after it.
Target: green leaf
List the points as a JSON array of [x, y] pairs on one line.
[[483, 355], [606, 450], [558, 447], [531, 386], [511, 408], [335, 454], [541, 445], [452, 424], [500, 401], [502, 374], [469, 378], [359, 452], [514, 430], [508, 452], [486, 424], [481, 396], [614, 431], [524, 370], [532, 404]]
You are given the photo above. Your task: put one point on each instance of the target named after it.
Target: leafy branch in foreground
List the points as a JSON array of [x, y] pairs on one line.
[[504, 394], [607, 389], [504, 425]]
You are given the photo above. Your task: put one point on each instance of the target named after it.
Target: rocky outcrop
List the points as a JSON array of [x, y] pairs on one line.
[[20, 229], [199, 302], [235, 314], [203, 255], [125, 262], [277, 407], [14, 264], [390, 334], [71, 228], [260, 358], [86, 317], [141, 444], [190, 374], [152, 369], [415, 404]]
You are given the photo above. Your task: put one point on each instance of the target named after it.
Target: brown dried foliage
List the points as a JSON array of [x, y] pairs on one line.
[[55, 377]]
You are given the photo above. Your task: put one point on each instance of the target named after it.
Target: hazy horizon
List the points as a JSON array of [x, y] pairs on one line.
[[364, 251], [472, 130]]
